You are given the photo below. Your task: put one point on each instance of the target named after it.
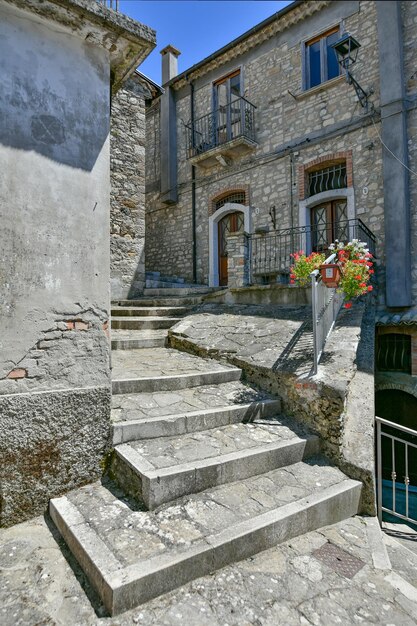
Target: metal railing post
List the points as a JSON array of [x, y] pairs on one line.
[[313, 277], [379, 469]]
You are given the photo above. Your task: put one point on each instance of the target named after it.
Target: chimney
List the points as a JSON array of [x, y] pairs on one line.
[[169, 63]]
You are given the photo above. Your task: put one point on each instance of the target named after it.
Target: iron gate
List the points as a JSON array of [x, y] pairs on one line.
[[396, 470]]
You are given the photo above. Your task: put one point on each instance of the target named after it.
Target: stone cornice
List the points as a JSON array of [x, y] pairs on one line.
[[253, 39]]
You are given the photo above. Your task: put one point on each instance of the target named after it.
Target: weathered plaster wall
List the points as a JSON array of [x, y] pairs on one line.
[[54, 261], [313, 123], [127, 213]]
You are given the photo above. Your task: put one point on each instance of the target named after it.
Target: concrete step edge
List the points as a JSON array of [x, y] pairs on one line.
[[132, 344], [159, 486], [124, 588], [182, 423], [177, 381], [149, 311]]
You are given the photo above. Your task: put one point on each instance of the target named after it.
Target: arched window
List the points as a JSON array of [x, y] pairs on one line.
[[238, 197]]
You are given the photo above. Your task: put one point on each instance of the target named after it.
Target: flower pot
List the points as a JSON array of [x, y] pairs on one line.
[[330, 274]]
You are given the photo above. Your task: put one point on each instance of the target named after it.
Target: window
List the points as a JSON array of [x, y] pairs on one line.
[[320, 61], [393, 353], [238, 197], [227, 105], [333, 177]]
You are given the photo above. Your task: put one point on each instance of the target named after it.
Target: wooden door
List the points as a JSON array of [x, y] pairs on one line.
[[328, 223], [231, 223]]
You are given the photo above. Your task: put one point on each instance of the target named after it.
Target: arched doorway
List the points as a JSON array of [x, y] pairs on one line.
[[397, 406], [231, 217], [230, 223]]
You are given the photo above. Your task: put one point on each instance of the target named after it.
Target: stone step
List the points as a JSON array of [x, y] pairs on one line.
[[176, 291], [130, 423], [133, 339], [162, 301], [166, 284], [157, 471], [152, 311], [142, 323], [164, 369], [131, 556]]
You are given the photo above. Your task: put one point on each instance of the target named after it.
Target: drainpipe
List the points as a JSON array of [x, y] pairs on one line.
[[292, 200], [193, 189], [395, 175]]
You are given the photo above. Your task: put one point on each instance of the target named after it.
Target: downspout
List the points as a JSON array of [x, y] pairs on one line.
[[193, 189], [292, 200]]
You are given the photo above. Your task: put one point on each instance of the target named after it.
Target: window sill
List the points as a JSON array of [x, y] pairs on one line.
[[321, 87]]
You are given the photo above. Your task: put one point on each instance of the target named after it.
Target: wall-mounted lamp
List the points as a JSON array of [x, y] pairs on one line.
[[346, 50]]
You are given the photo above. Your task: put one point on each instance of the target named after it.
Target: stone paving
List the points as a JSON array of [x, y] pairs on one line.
[[159, 404], [156, 362], [42, 585], [171, 451], [260, 335]]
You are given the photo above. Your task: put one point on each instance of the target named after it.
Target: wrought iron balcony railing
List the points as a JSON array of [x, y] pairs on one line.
[[111, 4], [271, 253], [228, 122]]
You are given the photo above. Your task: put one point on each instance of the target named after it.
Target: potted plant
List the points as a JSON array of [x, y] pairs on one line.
[[356, 270], [351, 273], [330, 274], [303, 266]]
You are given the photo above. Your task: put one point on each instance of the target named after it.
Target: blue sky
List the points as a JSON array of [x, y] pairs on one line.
[[196, 27]]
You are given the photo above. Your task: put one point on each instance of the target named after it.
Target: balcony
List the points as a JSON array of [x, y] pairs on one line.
[[271, 253], [222, 135], [110, 4]]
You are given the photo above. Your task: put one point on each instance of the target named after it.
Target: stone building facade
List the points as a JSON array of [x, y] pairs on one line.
[[260, 121]]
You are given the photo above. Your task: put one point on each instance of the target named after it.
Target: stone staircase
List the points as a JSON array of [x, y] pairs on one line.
[[206, 470]]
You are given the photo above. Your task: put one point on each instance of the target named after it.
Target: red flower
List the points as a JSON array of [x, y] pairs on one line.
[[368, 255], [292, 282], [369, 264], [348, 305], [362, 285], [358, 277], [370, 288], [371, 271]]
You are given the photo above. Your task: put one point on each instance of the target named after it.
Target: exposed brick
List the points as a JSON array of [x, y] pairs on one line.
[[81, 325], [19, 372], [70, 325]]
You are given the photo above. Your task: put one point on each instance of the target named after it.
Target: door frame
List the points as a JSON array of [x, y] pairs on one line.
[[305, 206], [229, 207]]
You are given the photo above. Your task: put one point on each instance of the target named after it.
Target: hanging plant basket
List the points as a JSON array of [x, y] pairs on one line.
[[330, 274]]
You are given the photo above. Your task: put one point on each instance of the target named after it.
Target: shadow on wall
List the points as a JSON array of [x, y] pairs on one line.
[[40, 115]]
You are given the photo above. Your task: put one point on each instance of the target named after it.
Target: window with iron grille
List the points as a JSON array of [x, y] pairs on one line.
[[393, 353], [239, 197], [333, 177]]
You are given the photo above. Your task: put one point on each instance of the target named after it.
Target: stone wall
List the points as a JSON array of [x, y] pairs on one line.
[[127, 196]]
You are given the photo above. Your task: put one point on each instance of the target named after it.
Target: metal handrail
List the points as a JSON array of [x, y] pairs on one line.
[[271, 252], [324, 312], [404, 429]]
